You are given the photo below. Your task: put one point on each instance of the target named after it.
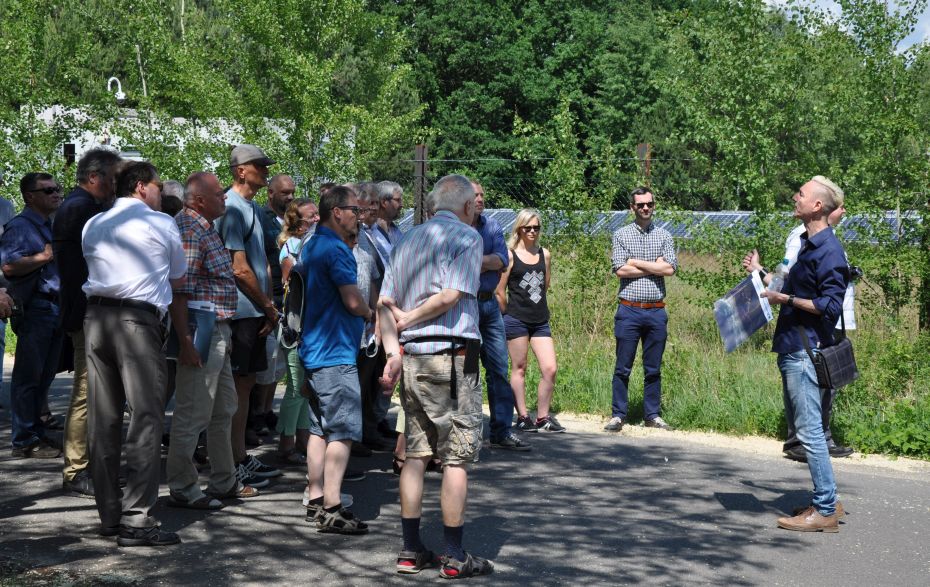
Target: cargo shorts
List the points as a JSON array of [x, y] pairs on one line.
[[435, 423]]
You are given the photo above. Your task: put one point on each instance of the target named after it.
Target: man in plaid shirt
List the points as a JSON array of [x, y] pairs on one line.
[[205, 396], [642, 256]]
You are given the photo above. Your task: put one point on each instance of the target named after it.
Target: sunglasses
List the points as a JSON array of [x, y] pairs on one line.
[[47, 191], [643, 205], [353, 209], [534, 228]]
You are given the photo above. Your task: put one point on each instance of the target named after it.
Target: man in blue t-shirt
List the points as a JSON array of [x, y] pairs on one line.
[[333, 321]]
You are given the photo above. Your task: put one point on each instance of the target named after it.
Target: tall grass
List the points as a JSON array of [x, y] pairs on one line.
[[704, 388]]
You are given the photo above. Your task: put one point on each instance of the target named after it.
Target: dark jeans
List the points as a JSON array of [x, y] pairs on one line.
[[37, 347], [494, 358], [630, 326]]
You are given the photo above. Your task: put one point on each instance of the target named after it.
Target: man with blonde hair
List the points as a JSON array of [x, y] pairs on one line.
[[812, 300]]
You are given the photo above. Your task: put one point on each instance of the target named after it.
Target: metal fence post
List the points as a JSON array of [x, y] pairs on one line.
[[419, 184]]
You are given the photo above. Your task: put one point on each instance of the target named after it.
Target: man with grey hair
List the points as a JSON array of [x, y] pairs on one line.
[[385, 230], [435, 320], [94, 194], [172, 197], [812, 301]]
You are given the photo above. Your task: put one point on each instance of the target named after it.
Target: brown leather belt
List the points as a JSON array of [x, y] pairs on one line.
[[644, 305]]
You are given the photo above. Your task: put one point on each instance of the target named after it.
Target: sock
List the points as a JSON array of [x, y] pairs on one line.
[[411, 528], [453, 536], [333, 509], [316, 501]]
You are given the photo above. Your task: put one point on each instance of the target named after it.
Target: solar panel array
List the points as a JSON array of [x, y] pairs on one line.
[[683, 225]]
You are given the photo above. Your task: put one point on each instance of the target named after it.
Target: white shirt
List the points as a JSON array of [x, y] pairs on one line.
[[131, 252], [792, 248]]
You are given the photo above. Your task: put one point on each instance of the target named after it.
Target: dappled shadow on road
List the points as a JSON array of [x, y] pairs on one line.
[[580, 508]]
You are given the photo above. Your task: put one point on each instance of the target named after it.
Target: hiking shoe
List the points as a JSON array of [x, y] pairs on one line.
[[549, 424], [657, 422], [837, 451], [796, 453], [526, 424], [80, 486], [259, 469], [615, 424], [473, 566], [251, 438], [43, 449], [245, 477], [146, 537], [511, 442], [340, 522], [411, 563]]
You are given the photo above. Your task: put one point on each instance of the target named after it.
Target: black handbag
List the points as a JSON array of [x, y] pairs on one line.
[[835, 365]]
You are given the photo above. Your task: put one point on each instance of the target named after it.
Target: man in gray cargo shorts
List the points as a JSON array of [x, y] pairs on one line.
[[429, 298]]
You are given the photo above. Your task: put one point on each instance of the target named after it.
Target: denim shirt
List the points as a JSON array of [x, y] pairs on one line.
[[25, 235], [493, 238], [821, 275]]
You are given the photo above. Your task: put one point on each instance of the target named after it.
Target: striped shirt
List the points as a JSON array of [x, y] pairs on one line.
[[634, 242], [209, 266], [442, 253]]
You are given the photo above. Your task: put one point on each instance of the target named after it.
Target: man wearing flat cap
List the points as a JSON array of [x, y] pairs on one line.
[[255, 315]]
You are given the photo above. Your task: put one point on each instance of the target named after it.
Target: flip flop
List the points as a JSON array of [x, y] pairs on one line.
[[202, 503]]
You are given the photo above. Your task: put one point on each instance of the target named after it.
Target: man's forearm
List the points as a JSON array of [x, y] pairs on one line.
[[491, 263], [436, 305], [661, 268], [248, 284], [26, 265]]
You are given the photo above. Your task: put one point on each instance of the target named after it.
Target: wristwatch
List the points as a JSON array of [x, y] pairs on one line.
[[791, 300], [388, 355]]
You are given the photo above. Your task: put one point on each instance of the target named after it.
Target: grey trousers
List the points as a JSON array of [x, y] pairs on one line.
[[205, 398], [125, 365]]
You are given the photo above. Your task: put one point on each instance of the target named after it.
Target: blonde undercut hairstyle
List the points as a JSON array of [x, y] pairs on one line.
[[524, 217], [833, 194]]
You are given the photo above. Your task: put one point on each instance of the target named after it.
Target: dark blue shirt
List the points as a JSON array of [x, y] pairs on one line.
[[70, 219], [493, 237], [820, 275], [25, 235], [330, 333]]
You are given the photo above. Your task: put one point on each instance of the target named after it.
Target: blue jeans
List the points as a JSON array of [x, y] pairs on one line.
[[494, 358], [802, 406], [37, 347], [630, 326]]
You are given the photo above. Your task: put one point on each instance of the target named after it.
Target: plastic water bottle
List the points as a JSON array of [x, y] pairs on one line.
[[778, 279]]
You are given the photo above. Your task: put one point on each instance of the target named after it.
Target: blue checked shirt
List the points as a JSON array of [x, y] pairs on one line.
[[442, 253], [633, 242]]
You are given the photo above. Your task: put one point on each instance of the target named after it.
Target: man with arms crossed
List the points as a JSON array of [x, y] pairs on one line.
[[643, 255], [429, 298], [334, 317]]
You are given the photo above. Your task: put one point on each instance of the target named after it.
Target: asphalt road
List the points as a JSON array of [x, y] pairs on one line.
[[580, 509]]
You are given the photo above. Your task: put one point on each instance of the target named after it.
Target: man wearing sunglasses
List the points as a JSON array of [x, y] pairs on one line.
[[28, 262], [642, 256]]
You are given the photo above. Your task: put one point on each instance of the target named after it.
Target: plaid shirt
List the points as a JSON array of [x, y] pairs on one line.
[[209, 265], [633, 242]]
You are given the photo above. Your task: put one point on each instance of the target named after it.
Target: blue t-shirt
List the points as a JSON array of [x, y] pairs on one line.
[[241, 229], [330, 333]]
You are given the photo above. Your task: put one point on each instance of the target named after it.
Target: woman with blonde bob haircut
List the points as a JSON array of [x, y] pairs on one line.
[[525, 282]]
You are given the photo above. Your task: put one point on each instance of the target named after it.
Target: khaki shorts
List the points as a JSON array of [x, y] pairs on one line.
[[434, 423]]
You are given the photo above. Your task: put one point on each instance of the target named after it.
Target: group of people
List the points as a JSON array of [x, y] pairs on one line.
[[94, 277], [144, 305]]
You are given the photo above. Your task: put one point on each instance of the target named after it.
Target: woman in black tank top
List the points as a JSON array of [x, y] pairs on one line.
[[526, 320]]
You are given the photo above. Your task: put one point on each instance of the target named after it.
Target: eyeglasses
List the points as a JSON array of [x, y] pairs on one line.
[[534, 228], [642, 205], [353, 209], [47, 191]]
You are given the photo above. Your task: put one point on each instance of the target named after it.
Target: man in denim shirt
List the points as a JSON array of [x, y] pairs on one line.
[[812, 298]]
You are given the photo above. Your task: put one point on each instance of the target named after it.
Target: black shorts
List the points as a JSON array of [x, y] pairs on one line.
[[248, 348], [516, 328]]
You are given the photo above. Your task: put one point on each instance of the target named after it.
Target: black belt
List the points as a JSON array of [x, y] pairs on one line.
[[123, 303], [484, 296]]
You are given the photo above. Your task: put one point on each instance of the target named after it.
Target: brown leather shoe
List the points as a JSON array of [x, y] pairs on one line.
[[840, 512], [810, 520]]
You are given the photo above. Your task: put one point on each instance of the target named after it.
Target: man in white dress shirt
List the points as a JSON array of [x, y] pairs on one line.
[[134, 256]]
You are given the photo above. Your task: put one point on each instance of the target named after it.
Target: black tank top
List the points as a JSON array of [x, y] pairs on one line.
[[526, 290]]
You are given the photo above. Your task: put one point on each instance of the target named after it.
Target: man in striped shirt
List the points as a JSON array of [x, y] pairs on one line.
[[642, 256], [429, 298]]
